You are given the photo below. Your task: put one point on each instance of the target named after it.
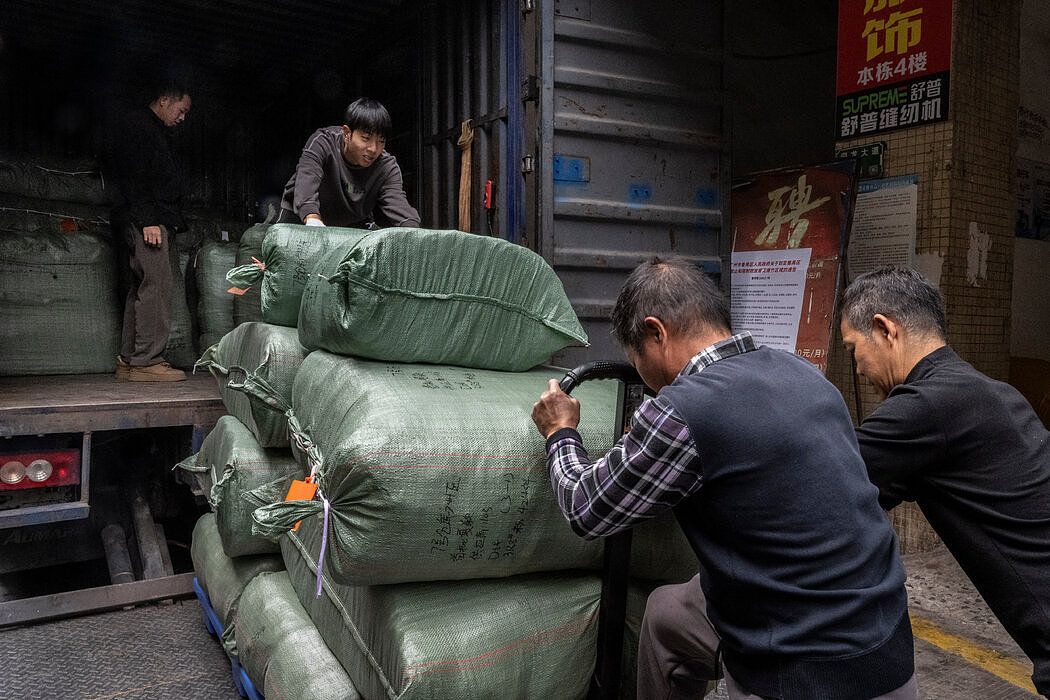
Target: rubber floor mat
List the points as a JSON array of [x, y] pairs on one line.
[[153, 652]]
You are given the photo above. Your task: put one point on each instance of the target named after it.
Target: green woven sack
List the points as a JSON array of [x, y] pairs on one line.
[[439, 473], [55, 181], [445, 297], [524, 636], [244, 476], [432, 472], [181, 349], [29, 214], [247, 305], [224, 578], [289, 254], [279, 647], [215, 305], [255, 365], [59, 307]]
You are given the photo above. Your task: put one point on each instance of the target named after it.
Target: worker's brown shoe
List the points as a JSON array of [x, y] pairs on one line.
[[162, 372], [122, 369]]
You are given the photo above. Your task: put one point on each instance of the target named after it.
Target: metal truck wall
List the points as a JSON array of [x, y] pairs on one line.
[[471, 69], [631, 157]]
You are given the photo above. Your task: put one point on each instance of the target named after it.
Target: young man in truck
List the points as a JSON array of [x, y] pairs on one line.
[[346, 178], [147, 216], [801, 592]]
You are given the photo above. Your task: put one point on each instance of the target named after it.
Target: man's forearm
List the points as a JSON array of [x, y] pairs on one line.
[[649, 470], [567, 461]]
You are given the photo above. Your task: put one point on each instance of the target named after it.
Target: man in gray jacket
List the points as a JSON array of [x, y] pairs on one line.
[[346, 178]]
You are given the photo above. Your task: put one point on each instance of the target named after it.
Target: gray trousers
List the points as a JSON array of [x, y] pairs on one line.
[[678, 649], [147, 307]]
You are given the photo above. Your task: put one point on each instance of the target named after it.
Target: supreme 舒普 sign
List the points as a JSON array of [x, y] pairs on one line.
[[893, 64]]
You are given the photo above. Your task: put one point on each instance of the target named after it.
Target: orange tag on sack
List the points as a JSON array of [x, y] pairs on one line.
[[301, 491]]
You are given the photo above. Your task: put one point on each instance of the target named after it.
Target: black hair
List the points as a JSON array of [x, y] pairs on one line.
[[367, 114], [167, 85], [673, 290], [899, 293]]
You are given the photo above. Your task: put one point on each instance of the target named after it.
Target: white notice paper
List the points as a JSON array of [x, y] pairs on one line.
[[768, 294], [883, 230]]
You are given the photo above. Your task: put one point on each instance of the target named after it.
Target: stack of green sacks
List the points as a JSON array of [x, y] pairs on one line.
[[246, 462], [264, 627], [399, 368], [448, 568], [61, 305], [439, 513]]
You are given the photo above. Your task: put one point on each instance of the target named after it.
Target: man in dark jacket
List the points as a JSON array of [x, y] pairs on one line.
[[346, 178], [801, 591], [969, 450], [147, 216]]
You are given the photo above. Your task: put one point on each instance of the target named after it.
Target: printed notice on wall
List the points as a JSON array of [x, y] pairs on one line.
[[883, 231], [1033, 199], [768, 294]]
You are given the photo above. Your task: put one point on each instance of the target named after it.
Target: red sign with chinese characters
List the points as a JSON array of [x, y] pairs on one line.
[[894, 58], [805, 213]]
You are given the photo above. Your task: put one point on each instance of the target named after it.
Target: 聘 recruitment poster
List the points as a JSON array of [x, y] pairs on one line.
[[789, 231]]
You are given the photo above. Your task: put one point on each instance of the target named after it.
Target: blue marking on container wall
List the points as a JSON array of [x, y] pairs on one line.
[[639, 193], [706, 198], [571, 170]]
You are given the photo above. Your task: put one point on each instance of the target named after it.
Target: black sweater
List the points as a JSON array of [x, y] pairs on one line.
[[975, 457], [149, 182]]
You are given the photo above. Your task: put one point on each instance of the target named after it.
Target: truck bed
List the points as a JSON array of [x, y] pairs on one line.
[[98, 403], [37, 405]]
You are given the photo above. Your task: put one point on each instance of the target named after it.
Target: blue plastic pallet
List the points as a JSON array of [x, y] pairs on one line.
[[241, 681]]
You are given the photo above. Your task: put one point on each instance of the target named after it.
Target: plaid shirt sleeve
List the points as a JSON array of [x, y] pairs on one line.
[[651, 469]]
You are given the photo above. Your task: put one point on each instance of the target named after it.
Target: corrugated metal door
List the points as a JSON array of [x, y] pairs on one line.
[[471, 70], [631, 155]]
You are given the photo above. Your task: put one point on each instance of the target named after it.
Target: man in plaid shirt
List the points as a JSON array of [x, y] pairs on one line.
[[801, 589]]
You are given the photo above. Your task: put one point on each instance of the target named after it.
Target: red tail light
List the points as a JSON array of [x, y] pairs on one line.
[[36, 469]]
